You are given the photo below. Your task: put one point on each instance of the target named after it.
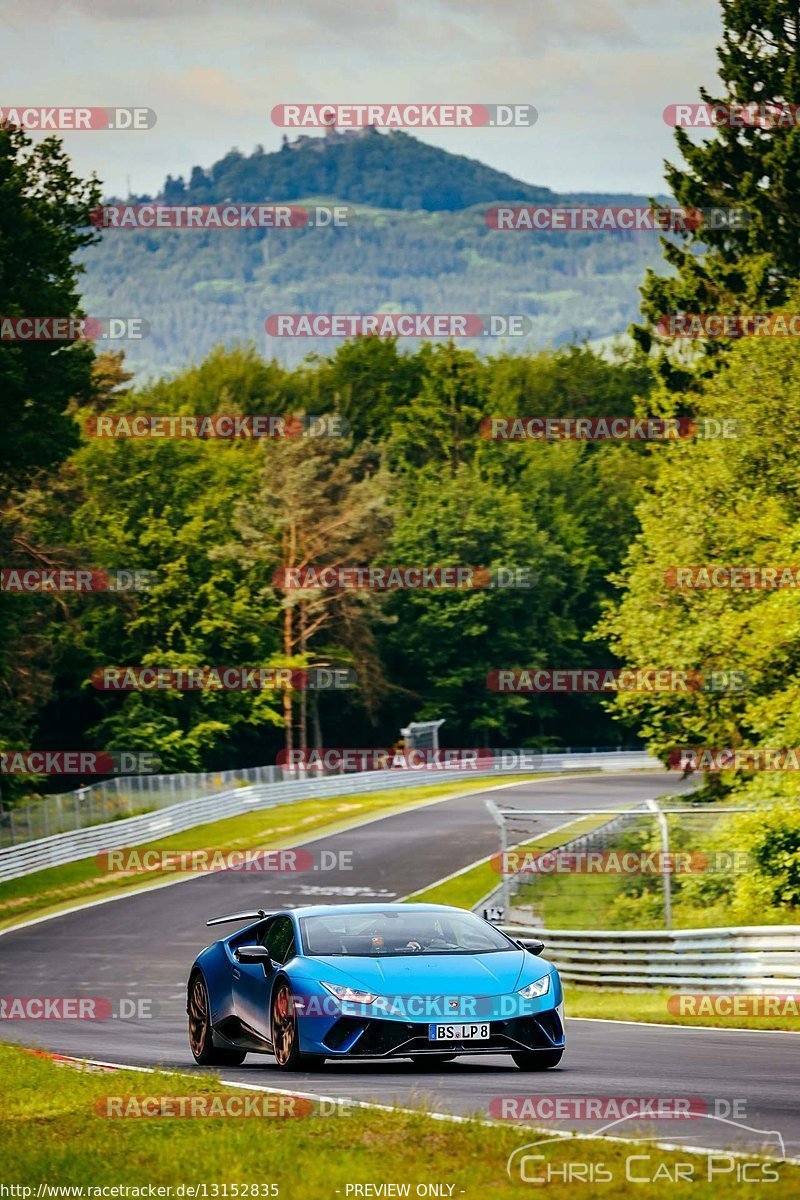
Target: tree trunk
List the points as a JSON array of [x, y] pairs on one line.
[[304, 690], [315, 721], [287, 692]]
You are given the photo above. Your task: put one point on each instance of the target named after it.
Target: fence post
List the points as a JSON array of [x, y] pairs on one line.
[[665, 867], [505, 893]]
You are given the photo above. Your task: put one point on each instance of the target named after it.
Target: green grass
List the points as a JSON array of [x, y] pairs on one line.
[[74, 883], [53, 1133], [652, 1006]]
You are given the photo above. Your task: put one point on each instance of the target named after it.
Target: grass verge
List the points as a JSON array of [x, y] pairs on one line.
[[45, 892], [54, 1133], [653, 1006]]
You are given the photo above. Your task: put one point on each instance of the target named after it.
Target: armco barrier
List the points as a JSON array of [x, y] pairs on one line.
[[755, 958], [131, 831]]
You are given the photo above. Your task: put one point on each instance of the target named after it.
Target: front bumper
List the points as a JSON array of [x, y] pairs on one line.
[[375, 1037]]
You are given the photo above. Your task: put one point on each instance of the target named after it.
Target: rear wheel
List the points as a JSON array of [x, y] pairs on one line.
[[538, 1060], [285, 1034], [200, 1037]]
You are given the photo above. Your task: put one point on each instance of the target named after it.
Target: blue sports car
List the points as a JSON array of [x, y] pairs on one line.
[[373, 981]]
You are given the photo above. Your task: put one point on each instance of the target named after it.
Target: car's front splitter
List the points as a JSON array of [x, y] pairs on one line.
[[367, 1037]]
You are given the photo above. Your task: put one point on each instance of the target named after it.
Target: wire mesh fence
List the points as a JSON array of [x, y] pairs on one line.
[[115, 799], [654, 866]]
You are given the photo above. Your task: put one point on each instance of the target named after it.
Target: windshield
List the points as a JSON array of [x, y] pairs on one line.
[[398, 933]]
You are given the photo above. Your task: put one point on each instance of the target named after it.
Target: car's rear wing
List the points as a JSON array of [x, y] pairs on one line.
[[258, 915]]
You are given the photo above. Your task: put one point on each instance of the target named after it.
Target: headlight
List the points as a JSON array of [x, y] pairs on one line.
[[540, 988], [350, 995]]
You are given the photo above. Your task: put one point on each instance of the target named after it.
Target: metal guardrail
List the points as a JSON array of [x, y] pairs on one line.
[[126, 796], [118, 798], [71, 846], [749, 958]]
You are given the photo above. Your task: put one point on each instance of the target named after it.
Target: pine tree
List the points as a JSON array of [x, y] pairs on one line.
[[751, 268]]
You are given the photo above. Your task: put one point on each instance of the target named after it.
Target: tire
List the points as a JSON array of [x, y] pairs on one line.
[[285, 1035], [428, 1062], [537, 1060], [201, 1043]]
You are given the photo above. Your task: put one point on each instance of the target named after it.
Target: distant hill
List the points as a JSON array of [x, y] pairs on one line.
[[380, 170], [418, 242]]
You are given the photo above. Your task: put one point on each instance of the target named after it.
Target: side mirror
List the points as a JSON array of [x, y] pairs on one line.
[[254, 954], [531, 945]]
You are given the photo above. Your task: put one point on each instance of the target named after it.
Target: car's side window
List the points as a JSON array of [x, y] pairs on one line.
[[278, 937], [263, 931]]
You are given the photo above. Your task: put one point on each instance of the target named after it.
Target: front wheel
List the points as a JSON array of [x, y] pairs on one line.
[[285, 1034], [539, 1060], [200, 1037]]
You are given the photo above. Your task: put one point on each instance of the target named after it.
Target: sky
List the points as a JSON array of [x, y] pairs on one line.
[[599, 72]]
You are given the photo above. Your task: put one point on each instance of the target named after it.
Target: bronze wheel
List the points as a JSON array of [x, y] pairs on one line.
[[286, 1035], [201, 1039], [284, 1026]]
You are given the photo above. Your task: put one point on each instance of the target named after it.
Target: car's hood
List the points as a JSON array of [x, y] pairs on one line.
[[402, 975]]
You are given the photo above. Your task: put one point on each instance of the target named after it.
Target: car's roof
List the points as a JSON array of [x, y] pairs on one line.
[[321, 910]]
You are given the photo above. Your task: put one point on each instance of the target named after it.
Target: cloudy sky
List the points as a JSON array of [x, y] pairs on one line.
[[600, 73]]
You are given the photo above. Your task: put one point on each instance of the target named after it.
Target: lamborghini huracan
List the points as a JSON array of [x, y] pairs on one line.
[[372, 981]]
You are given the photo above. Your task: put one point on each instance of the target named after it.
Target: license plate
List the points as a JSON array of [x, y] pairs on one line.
[[458, 1033]]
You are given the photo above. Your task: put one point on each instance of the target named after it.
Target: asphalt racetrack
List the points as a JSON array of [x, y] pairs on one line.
[[139, 948]]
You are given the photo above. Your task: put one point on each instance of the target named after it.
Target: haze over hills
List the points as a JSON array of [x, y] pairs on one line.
[[417, 242]]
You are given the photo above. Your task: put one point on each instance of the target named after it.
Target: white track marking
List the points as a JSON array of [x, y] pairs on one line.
[[693, 1028]]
